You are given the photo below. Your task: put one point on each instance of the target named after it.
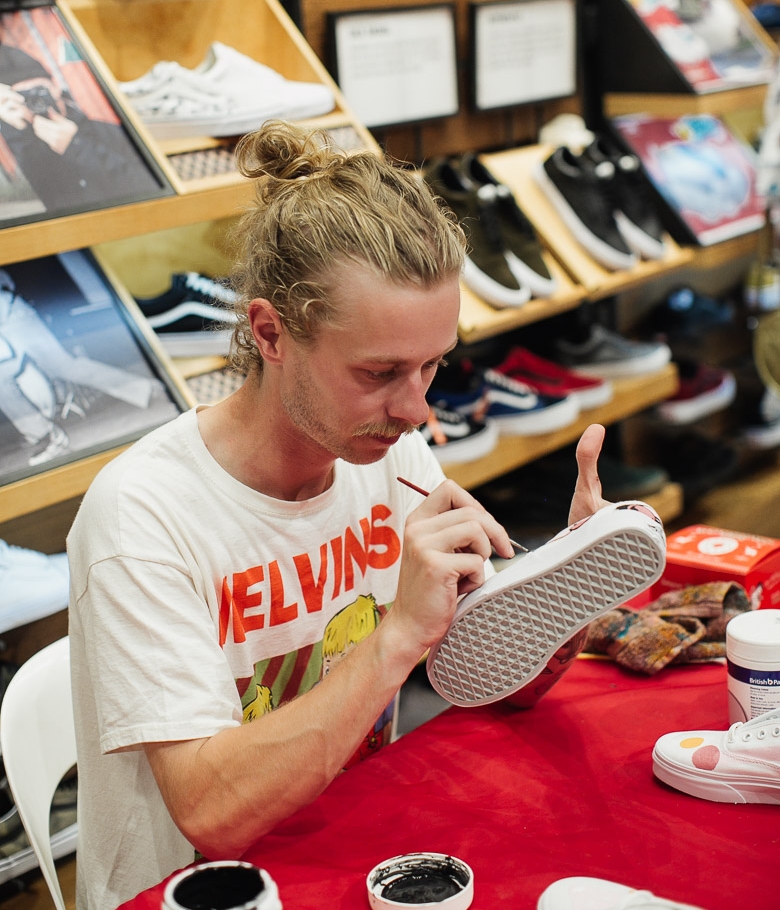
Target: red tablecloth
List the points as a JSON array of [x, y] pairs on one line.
[[527, 797]]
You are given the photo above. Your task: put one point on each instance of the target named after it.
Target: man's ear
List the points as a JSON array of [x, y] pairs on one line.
[[267, 329]]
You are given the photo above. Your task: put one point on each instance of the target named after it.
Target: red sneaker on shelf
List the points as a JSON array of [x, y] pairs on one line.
[[551, 378]]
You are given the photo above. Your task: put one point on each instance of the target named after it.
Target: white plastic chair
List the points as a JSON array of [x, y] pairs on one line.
[[38, 744]]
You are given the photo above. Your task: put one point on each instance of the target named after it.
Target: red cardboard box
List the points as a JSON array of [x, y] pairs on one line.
[[698, 554]]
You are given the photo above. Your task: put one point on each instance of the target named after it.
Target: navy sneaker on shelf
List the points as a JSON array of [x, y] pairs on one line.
[[686, 314], [635, 210], [523, 249], [455, 438], [486, 270], [581, 191], [610, 355], [516, 408], [193, 317], [503, 634]]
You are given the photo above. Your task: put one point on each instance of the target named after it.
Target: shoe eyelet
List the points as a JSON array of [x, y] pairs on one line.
[[776, 731], [761, 734], [746, 737]]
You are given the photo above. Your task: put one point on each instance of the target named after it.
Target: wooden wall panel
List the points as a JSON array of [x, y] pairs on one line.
[[468, 130]]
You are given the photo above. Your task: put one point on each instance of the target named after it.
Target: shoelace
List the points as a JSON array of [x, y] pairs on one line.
[[747, 728], [488, 216]]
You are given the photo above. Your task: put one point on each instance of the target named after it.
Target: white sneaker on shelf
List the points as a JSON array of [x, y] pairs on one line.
[[583, 893], [34, 585], [228, 94], [503, 634]]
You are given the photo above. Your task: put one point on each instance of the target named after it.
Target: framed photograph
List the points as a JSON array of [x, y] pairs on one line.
[[66, 146], [396, 66], [522, 52], [78, 373]]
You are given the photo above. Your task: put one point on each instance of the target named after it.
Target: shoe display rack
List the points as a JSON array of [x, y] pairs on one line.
[[145, 242]]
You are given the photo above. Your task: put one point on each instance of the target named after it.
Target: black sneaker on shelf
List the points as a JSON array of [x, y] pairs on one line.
[[192, 317], [486, 271], [456, 438], [636, 213], [697, 461], [523, 249], [581, 191]]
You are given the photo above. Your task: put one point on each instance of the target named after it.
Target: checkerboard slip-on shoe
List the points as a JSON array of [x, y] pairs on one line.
[[503, 634], [581, 193], [227, 94], [454, 438], [738, 765], [636, 213], [524, 251], [486, 270], [584, 893]]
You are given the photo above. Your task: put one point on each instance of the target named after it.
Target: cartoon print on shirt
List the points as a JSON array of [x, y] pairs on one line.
[[278, 680], [348, 627], [262, 703]]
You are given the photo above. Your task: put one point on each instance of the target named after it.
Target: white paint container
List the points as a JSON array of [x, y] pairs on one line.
[[753, 658], [224, 885], [421, 880]]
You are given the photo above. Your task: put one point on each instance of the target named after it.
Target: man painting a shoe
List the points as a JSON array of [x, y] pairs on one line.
[[211, 559]]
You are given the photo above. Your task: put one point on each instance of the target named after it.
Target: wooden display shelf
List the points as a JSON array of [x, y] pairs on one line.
[[630, 396], [678, 103], [516, 169], [125, 40], [479, 320]]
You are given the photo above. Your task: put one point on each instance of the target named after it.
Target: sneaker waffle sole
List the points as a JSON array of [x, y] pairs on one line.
[[505, 641]]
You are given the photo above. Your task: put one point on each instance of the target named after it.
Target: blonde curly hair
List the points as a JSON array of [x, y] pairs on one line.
[[317, 206]]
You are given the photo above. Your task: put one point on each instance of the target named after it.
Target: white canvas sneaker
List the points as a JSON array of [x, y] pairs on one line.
[[34, 585], [583, 893], [738, 765], [504, 633], [228, 94]]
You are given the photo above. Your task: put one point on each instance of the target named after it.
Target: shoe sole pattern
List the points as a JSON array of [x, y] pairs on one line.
[[501, 642], [717, 789]]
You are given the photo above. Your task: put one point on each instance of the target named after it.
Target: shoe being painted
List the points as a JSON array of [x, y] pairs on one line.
[[504, 633]]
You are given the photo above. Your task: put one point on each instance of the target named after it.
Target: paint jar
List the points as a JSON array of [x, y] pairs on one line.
[[224, 885], [420, 880], [753, 658]]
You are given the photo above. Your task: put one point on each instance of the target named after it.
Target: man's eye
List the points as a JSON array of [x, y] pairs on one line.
[[380, 374]]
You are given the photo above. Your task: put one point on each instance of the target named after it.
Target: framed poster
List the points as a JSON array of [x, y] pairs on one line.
[[396, 66], [66, 145], [78, 374], [522, 51]]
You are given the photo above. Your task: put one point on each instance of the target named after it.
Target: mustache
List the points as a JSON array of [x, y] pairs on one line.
[[386, 429]]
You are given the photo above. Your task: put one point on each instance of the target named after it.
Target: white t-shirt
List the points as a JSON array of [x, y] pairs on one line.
[[198, 603]]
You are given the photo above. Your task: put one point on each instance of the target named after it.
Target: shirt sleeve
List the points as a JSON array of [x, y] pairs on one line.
[[156, 668]]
